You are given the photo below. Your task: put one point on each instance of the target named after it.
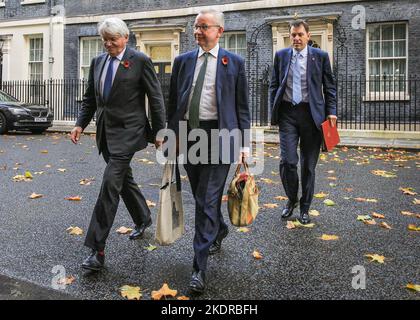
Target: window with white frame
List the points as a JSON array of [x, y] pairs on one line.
[[89, 48], [234, 42], [36, 56], [387, 47]]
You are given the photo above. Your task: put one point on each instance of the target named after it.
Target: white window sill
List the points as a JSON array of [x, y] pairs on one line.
[[372, 97], [2, 4], [24, 2]]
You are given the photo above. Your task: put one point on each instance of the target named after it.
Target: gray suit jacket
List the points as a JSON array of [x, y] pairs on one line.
[[122, 118]]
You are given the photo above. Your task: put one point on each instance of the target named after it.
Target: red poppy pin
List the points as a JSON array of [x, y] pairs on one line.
[[225, 60], [126, 64]]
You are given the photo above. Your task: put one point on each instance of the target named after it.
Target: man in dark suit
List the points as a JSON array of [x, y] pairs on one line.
[[209, 91], [302, 96], [118, 82]]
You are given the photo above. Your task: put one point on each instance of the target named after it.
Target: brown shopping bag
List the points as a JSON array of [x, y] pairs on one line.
[[170, 219], [242, 198]]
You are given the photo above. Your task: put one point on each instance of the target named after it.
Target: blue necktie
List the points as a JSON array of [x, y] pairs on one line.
[[297, 90], [108, 79]]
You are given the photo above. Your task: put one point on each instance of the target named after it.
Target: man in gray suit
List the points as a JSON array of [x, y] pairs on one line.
[[118, 82]]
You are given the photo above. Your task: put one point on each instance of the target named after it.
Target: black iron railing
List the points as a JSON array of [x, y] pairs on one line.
[[363, 104]]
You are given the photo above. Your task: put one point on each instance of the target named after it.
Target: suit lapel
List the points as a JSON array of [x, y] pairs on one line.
[[309, 65], [190, 68], [220, 76], [98, 73], [286, 64]]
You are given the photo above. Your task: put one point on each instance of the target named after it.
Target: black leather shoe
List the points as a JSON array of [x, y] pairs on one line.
[[217, 244], [94, 261], [304, 218], [139, 230], [198, 281], [288, 209]]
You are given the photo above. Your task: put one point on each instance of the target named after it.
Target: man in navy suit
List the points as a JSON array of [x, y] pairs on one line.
[[209, 91], [302, 96]]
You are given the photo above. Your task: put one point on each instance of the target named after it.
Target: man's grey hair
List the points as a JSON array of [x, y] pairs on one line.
[[113, 26], [219, 16]]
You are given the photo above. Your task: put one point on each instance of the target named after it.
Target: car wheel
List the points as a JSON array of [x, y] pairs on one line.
[[3, 124], [38, 131]]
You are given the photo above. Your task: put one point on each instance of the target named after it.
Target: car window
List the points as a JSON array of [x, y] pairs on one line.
[[4, 97]]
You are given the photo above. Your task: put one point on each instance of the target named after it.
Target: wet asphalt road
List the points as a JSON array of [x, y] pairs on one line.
[[296, 264]]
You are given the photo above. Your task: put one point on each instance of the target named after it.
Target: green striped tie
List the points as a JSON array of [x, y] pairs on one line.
[[193, 115]]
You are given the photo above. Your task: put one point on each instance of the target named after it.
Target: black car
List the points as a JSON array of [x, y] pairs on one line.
[[15, 115]]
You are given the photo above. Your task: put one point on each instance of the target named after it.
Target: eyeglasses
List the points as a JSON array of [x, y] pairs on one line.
[[205, 27]]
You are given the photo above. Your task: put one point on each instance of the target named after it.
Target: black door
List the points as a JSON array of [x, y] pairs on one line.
[[163, 71]]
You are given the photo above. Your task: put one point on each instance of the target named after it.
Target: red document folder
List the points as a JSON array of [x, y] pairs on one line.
[[330, 136]]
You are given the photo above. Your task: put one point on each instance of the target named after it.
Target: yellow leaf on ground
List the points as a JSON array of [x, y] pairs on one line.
[[74, 198], [44, 151], [413, 227], [314, 213], [363, 218], [28, 175], [270, 205], [329, 202], [35, 195], [383, 173], [183, 298], [414, 287], [281, 198], [407, 213], [290, 225], [366, 200], [86, 182], [320, 195], [378, 215], [61, 170], [74, 231], [257, 255], [328, 237], [163, 292], [243, 229], [124, 230], [131, 293], [375, 257], [371, 221], [332, 178], [268, 181], [150, 204], [66, 280], [385, 225], [20, 177], [416, 201], [408, 191], [298, 224]]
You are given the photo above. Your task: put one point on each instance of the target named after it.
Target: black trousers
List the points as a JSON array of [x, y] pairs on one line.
[[117, 181], [207, 184], [296, 126]]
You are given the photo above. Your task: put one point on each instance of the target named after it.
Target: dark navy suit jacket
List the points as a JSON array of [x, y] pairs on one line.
[[320, 79], [231, 92]]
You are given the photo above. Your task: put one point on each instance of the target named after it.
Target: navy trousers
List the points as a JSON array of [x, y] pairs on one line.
[[207, 184], [296, 126]]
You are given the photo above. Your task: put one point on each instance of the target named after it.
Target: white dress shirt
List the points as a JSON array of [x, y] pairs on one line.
[[116, 62], [208, 101]]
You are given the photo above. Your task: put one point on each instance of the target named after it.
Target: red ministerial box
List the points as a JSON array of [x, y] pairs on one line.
[[330, 136]]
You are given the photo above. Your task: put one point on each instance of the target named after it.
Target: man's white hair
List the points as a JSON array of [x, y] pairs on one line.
[[113, 26], [219, 16]]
